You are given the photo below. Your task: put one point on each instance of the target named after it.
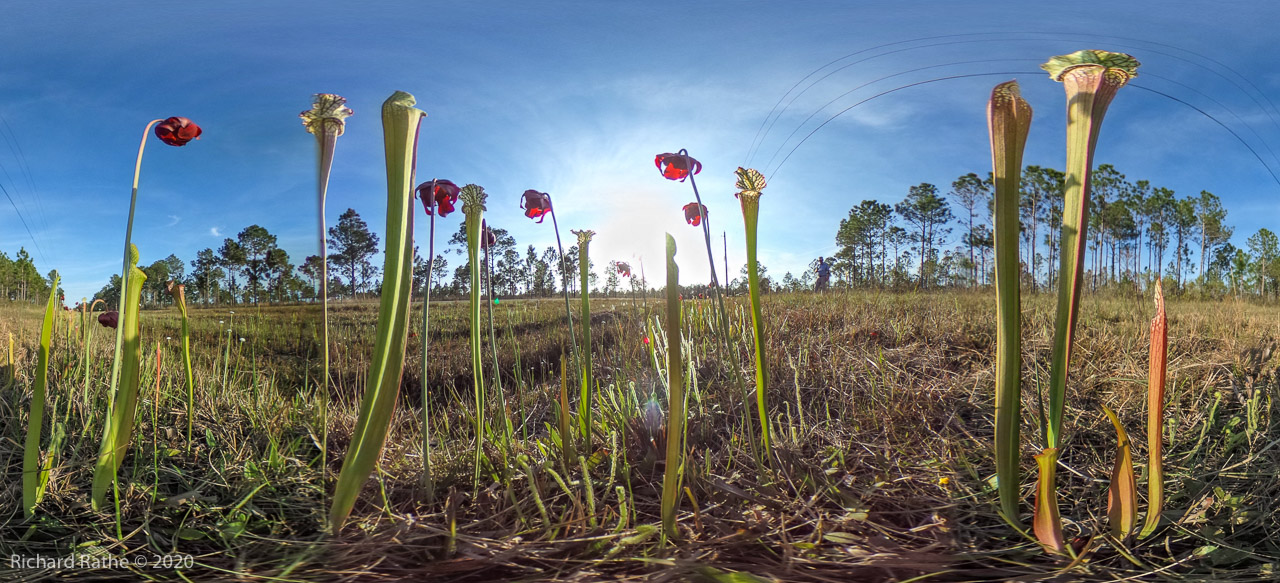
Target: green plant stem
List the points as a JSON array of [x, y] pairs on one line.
[[750, 216], [124, 272], [508, 429], [475, 214], [327, 140], [186, 367], [675, 398], [426, 396], [727, 353]]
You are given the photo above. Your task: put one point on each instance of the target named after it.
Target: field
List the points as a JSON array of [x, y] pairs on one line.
[[881, 408]]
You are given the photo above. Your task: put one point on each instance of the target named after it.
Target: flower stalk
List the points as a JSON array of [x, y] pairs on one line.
[[1008, 122], [400, 122], [326, 120]]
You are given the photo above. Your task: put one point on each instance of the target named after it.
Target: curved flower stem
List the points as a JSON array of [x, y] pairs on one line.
[[124, 272], [564, 270], [328, 144]]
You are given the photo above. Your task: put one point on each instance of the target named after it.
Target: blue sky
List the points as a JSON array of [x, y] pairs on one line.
[[575, 99]]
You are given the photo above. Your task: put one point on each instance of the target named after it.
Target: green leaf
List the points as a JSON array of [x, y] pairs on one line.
[[400, 122]]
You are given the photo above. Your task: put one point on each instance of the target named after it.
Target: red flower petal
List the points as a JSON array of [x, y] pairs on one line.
[[177, 131]]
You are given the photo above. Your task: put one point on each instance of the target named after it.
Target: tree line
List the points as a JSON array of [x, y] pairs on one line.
[[20, 281], [1137, 232]]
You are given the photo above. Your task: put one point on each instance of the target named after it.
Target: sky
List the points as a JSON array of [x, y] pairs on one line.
[[576, 98]]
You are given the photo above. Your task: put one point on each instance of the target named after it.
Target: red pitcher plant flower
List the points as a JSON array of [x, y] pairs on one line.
[[440, 195], [536, 204], [624, 269], [693, 213], [109, 319], [177, 131], [677, 166]]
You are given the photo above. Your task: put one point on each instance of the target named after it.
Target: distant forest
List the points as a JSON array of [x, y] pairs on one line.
[[931, 239]]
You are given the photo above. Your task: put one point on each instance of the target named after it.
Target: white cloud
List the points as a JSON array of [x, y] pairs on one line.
[[214, 231], [173, 220]]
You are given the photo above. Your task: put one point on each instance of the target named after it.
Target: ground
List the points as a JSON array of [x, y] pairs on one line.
[[881, 408]]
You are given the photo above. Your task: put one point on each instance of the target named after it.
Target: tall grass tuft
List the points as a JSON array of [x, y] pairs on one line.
[[584, 272], [35, 475], [673, 472], [1008, 123], [400, 121], [124, 396], [750, 183], [1155, 415]]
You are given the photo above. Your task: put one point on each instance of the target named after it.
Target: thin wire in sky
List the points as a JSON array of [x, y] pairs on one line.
[[767, 125], [872, 82], [1224, 126], [773, 173]]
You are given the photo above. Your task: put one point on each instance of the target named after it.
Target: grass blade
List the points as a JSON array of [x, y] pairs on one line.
[[33, 472], [400, 122]]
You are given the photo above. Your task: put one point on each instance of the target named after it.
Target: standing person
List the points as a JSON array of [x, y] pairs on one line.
[[824, 275]]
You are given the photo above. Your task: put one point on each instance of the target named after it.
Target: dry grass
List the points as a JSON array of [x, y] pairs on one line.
[[882, 405]]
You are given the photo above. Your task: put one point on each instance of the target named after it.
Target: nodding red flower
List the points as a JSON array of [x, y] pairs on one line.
[[109, 319], [646, 340], [487, 238], [677, 166], [438, 194], [177, 131], [624, 269], [692, 215], [536, 204]]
